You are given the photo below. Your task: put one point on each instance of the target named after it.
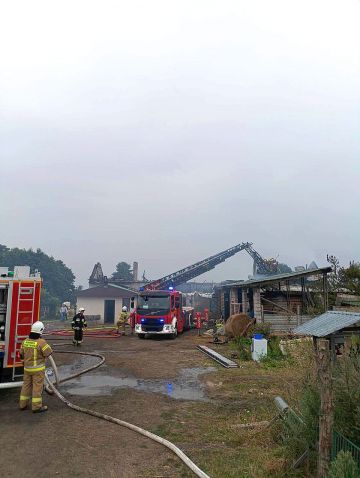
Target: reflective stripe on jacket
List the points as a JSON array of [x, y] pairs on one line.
[[34, 352], [123, 317], [78, 322]]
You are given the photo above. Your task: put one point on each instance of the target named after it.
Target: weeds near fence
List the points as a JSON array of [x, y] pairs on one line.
[[344, 466], [347, 397], [304, 435]]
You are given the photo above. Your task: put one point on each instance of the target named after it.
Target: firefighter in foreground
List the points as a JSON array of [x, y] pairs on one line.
[[33, 352], [122, 321], [77, 324]]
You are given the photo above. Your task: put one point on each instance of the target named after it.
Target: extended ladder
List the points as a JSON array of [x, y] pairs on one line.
[[24, 317], [190, 272]]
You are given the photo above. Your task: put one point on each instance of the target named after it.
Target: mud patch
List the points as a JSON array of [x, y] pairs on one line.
[[186, 386], [82, 362]]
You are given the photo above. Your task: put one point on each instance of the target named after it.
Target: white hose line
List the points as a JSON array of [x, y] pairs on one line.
[[11, 385], [85, 370], [198, 472]]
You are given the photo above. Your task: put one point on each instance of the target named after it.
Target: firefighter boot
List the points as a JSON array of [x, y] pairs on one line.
[[44, 408]]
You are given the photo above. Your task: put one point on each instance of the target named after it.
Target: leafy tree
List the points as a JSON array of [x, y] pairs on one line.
[[350, 277], [49, 304], [123, 272], [333, 277], [58, 280]]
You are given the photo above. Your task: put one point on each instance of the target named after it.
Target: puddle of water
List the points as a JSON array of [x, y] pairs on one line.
[[81, 363], [185, 387]]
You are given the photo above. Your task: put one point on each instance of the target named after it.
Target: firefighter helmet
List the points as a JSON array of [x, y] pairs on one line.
[[124, 309], [37, 327]]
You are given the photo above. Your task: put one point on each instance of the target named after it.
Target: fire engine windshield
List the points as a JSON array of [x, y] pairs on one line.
[[148, 305]]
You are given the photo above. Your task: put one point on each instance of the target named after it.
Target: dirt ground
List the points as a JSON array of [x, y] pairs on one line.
[[138, 384]]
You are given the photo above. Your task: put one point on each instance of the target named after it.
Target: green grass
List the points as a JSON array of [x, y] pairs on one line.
[[209, 432]]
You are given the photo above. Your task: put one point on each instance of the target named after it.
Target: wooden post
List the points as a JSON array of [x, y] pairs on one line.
[[298, 322], [257, 303], [326, 408]]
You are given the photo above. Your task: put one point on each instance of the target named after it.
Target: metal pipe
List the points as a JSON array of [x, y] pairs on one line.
[[280, 403], [11, 385]]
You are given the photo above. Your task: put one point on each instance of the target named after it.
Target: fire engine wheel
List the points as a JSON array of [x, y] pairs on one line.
[[141, 336]]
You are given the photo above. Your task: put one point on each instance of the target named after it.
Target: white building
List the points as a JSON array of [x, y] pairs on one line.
[[105, 301]]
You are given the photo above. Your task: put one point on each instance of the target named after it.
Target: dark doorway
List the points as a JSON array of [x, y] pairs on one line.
[[251, 303], [239, 299], [109, 311]]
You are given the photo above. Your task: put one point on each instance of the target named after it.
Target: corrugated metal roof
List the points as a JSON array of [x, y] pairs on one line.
[[279, 277], [328, 323], [107, 291], [122, 287]]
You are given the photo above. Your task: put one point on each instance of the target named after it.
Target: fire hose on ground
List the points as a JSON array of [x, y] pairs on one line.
[[104, 332], [51, 386]]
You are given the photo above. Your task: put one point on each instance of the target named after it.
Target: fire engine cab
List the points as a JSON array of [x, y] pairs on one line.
[[161, 312], [19, 309]]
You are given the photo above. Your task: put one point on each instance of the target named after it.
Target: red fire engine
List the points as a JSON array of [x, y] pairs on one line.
[[161, 312], [19, 309]]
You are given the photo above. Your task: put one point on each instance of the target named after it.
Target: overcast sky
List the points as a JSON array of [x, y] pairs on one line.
[[167, 131]]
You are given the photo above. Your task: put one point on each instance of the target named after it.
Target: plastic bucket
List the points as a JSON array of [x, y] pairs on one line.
[[258, 336]]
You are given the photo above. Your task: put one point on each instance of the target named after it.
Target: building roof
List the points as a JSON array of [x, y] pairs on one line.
[[279, 277], [328, 323], [107, 291]]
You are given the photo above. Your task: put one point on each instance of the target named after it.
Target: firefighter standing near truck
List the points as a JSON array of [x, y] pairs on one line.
[[122, 320], [33, 353], [77, 324]]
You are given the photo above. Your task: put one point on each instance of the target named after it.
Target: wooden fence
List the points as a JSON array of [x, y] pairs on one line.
[[285, 323]]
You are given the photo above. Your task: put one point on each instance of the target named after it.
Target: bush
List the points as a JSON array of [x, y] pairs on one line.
[[275, 358], [347, 412], [274, 350], [243, 347], [302, 435], [344, 466], [259, 328], [347, 397]]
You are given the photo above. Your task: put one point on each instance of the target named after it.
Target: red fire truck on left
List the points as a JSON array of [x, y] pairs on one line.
[[19, 309]]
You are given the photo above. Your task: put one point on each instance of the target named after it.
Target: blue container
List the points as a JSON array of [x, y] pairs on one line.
[[258, 336]]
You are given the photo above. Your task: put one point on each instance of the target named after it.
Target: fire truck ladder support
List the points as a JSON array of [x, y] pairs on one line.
[[185, 459], [29, 293], [261, 266], [190, 272]]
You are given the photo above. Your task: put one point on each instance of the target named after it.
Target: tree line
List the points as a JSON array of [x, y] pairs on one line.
[[58, 279]]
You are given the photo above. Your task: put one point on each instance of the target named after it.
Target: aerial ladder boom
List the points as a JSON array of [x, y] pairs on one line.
[[190, 272], [262, 266]]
